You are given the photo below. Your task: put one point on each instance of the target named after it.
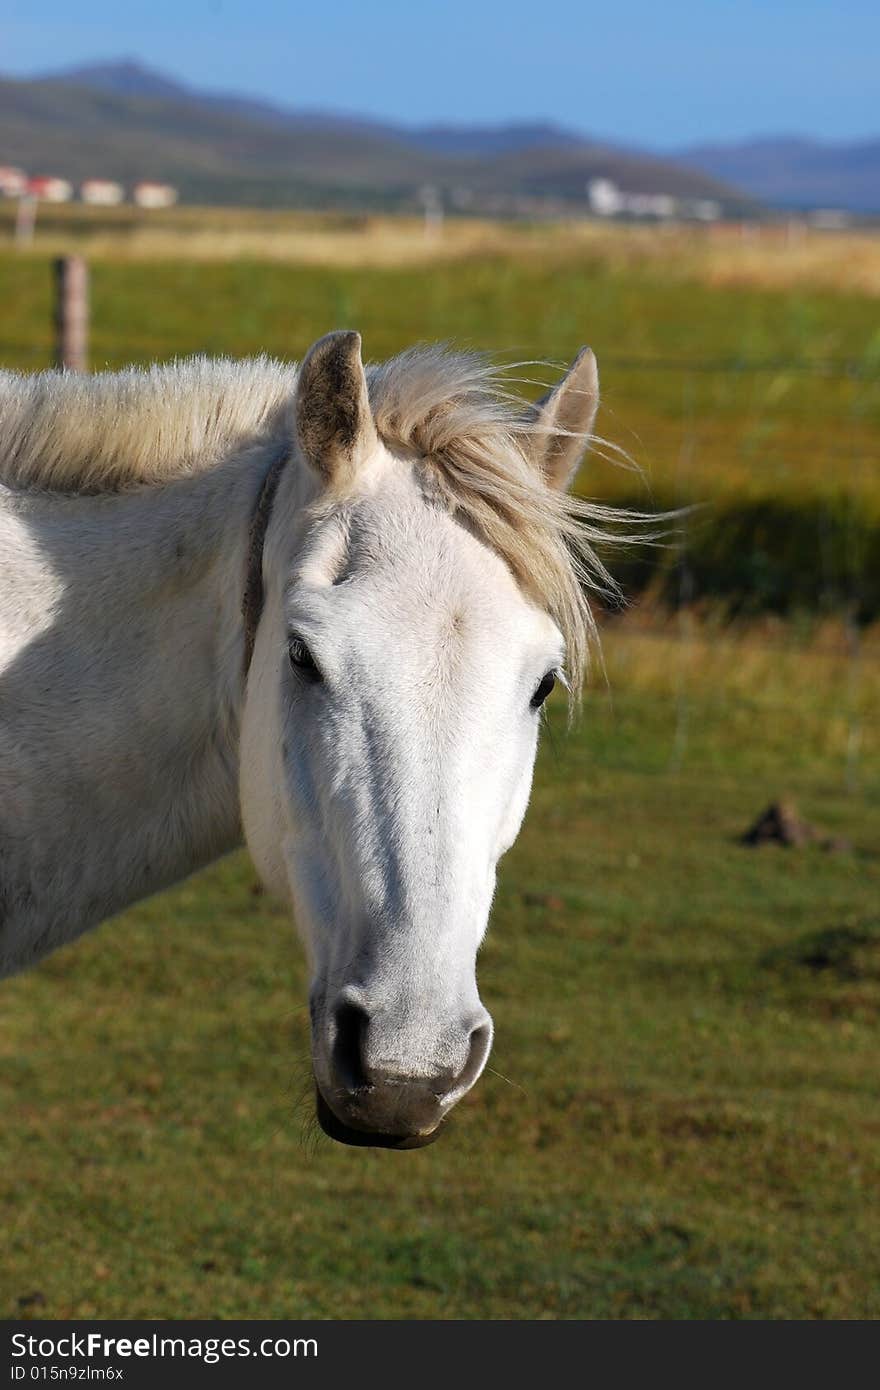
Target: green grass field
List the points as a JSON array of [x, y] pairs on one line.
[[681, 1118], [714, 391], [763, 405]]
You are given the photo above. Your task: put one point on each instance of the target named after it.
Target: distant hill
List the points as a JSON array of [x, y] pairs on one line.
[[128, 77], [125, 76], [128, 122], [796, 173], [131, 121]]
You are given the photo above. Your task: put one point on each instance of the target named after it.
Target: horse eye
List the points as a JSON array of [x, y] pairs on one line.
[[302, 661], [546, 685]]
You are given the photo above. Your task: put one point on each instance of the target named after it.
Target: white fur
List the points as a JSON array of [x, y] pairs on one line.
[[377, 802], [406, 773]]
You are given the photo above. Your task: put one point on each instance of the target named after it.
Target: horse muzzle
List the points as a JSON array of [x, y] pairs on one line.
[[377, 1086], [343, 1133]]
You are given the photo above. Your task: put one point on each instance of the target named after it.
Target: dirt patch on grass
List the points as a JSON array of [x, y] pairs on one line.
[[835, 973], [850, 953], [782, 824]]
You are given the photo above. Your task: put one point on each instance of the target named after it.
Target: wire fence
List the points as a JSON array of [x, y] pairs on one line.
[[838, 527]]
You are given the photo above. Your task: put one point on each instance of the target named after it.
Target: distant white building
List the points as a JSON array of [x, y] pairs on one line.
[[154, 195], [707, 210], [606, 199], [13, 182], [101, 192], [663, 205], [49, 189], [829, 219]]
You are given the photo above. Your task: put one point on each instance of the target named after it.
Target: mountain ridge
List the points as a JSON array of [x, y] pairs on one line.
[[128, 120], [796, 171]]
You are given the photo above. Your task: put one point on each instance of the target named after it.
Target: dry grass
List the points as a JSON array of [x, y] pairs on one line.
[[772, 256], [750, 671]]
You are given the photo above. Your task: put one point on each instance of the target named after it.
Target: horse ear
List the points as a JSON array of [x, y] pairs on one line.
[[561, 422], [334, 424]]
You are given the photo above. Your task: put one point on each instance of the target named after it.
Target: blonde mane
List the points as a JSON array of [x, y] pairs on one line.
[[147, 427], [139, 427]]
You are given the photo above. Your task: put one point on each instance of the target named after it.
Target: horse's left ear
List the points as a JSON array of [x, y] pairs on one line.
[[561, 422], [334, 423]]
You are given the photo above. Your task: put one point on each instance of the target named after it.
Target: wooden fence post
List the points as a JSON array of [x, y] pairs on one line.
[[71, 313], [25, 218]]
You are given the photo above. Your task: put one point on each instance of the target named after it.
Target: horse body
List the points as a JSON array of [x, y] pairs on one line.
[[419, 594], [120, 697]]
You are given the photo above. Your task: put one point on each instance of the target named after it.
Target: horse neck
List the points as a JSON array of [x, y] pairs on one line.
[[129, 759]]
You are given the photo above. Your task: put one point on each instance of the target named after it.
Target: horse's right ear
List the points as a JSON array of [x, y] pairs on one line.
[[561, 422], [334, 424]]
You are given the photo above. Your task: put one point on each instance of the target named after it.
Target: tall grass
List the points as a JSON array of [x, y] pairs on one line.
[[783, 255]]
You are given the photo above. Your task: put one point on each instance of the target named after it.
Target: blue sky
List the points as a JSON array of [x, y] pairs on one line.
[[657, 73]]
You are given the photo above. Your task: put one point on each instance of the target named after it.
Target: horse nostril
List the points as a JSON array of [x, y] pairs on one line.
[[348, 1045], [478, 1047], [481, 1044]]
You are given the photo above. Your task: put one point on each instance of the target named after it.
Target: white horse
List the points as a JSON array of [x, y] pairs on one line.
[[320, 606]]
